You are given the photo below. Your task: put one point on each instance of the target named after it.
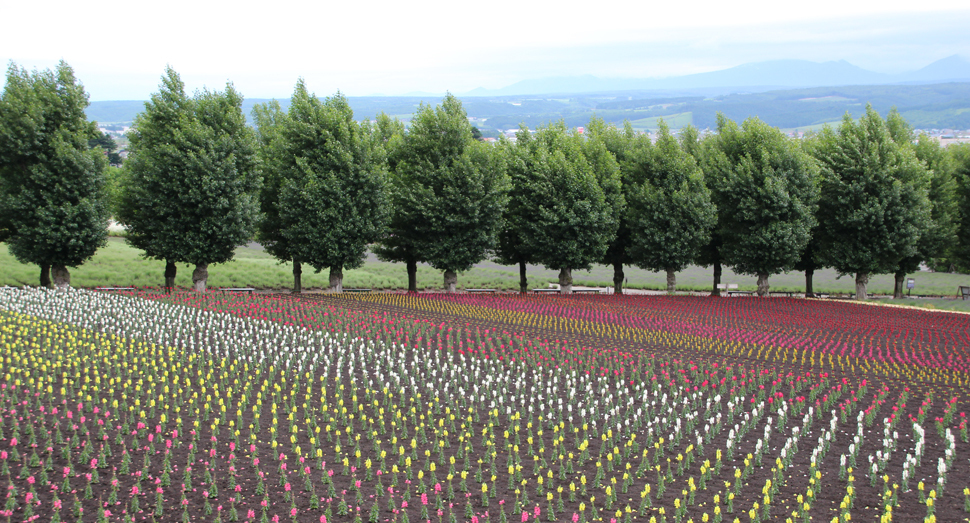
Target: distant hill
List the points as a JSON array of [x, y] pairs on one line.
[[925, 106], [752, 77]]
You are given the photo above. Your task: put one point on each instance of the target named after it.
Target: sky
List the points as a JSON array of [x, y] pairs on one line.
[[119, 50]]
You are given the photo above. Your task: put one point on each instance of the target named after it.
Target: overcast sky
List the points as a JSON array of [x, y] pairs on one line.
[[119, 49]]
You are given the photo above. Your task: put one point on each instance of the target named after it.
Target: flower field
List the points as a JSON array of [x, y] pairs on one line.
[[389, 407]]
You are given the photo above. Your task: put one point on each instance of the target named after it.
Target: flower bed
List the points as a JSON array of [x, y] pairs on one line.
[[391, 408]]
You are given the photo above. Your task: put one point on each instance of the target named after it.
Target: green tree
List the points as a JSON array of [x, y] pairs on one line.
[[268, 118], [512, 248], [191, 179], [873, 206], [108, 145], [769, 193], [577, 183], [670, 213], [625, 145], [709, 254], [940, 231], [53, 209], [447, 192], [329, 180], [958, 255]]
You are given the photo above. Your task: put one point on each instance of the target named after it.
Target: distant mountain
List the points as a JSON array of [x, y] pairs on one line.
[[951, 68], [752, 77]]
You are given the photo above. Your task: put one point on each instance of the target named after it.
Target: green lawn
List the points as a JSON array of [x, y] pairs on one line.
[[120, 265]]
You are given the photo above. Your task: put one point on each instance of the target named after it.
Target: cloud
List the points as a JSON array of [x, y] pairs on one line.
[[120, 49]]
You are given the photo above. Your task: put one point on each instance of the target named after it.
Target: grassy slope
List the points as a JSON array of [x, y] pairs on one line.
[[120, 265]]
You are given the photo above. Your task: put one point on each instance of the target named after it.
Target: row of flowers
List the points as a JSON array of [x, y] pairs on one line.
[[119, 406]]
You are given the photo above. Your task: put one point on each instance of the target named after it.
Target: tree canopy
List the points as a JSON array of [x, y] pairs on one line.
[[670, 213], [574, 187], [53, 209], [874, 204], [191, 178], [769, 191], [325, 184], [448, 193]]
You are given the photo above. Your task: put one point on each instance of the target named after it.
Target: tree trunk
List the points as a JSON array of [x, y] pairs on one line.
[[451, 281], [62, 277], [412, 276], [618, 278], [45, 275], [809, 287], [297, 277], [671, 281], [200, 276], [523, 280], [170, 271], [898, 288], [763, 284], [336, 279], [565, 281], [717, 279], [861, 279]]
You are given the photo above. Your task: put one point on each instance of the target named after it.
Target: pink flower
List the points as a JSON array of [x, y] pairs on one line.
[[323, 519], [474, 519], [293, 512], [263, 503], [134, 490], [251, 514], [404, 504], [575, 517], [525, 516], [424, 498], [31, 480], [537, 511], [57, 504], [287, 487], [276, 518]]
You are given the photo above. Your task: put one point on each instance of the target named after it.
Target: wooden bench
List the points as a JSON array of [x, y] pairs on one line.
[[357, 290], [587, 291], [114, 288], [740, 293], [963, 292], [237, 289], [480, 291], [545, 291], [790, 294]]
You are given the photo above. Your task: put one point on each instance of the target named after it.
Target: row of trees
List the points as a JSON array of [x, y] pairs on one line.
[[318, 188]]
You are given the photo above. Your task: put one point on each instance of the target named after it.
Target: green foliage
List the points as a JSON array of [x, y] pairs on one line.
[[448, 192], [324, 195], [959, 253], [940, 232], [52, 187], [670, 212], [624, 145], [108, 145], [767, 190], [873, 206], [191, 177], [574, 194]]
